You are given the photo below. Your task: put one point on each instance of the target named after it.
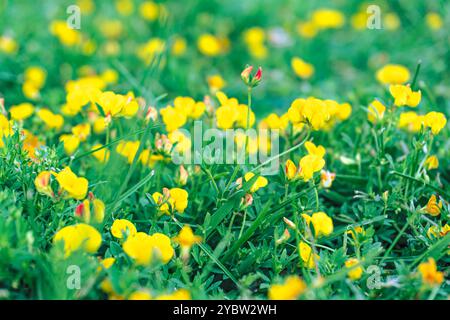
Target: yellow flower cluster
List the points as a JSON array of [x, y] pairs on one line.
[[319, 114], [321, 19], [171, 200], [309, 164], [232, 114], [413, 122], [34, 79], [71, 186], [291, 289], [79, 237]]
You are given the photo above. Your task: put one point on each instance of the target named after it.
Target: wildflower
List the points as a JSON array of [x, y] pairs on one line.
[[290, 170], [67, 36], [42, 183], [354, 273], [149, 10], [82, 131], [71, 143], [301, 68], [260, 182], [151, 49], [393, 74], [79, 237], [216, 83], [411, 121], [8, 45], [310, 164], [327, 178], [71, 184], [102, 154], [107, 263], [404, 96], [429, 273], [209, 45], [311, 110], [376, 111], [21, 111], [111, 103], [180, 294], [289, 223], [35, 76], [51, 120], [172, 118], [284, 237], [306, 254], [436, 232], [186, 239], [434, 21], [432, 162], [179, 46], [436, 121], [183, 175], [291, 289], [180, 199], [122, 228], [124, 7], [83, 210], [356, 231], [249, 80], [140, 295], [323, 224], [391, 21], [275, 122], [433, 207], [143, 248], [307, 29], [327, 19]]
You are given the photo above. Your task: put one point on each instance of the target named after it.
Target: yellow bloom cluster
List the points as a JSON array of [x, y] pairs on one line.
[[309, 164], [232, 114], [291, 289], [79, 237], [319, 114], [413, 122], [174, 199]]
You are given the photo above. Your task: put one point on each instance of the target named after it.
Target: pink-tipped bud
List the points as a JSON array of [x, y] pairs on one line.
[[152, 114], [183, 176], [248, 199], [245, 74], [284, 237], [289, 223], [83, 211], [258, 74]]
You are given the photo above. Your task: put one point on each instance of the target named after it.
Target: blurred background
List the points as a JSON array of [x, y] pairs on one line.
[[163, 49]]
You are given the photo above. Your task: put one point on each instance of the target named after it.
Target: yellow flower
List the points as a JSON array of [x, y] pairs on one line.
[[82, 131], [411, 121], [307, 29], [42, 183], [275, 122], [172, 118], [327, 178], [99, 125], [260, 182], [310, 164], [323, 224], [66, 35], [110, 76], [356, 272], [111, 103], [51, 120], [311, 110], [436, 121], [8, 45], [151, 49], [183, 143], [429, 273], [209, 45], [376, 111], [327, 19], [140, 295], [164, 202], [180, 294], [83, 210], [179, 46], [436, 232], [393, 74], [189, 107], [21, 111], [122, 227], [131, 106], [291, 289], [301, 68], [307, 255], [71, 184], [101, 155], [180, 199], [71, 143], [186, 238], [404, 96], [432, 162], [391, 21], [79, 237], [107, 262], [433, 207], [128, 149], [149, 10], [434, 20], [35, 76], [356, 231], [124, 7], [290, 170], [141, 248], [216, 83]]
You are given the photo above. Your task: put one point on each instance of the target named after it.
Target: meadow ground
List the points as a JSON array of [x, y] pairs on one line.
[[224, 149]]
